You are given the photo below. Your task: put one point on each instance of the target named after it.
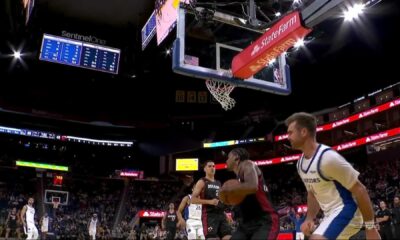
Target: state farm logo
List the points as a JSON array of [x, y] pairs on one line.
[[347, 145], [376, 137], [282, 137], [369, 112], [150, 214], [265, 162], [290, 158], [256, 49], [395, 103], [339, 123]]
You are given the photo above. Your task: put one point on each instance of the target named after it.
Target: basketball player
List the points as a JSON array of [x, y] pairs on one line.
[[170, 222], [92, 226], [215, 224], [257, 217], [332, 184], [28, 220], [44, 225], [11, 222], [192, 212]]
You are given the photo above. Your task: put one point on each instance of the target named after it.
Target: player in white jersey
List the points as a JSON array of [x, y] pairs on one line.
[[28, 220], [332, 185], [44, 228], [92, 226], [192, 215]]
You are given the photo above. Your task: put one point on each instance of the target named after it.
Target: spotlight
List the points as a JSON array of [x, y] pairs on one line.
[[17, 55], [353, 12], [299, 43]]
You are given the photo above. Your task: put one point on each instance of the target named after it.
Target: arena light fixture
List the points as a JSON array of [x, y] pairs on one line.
[[353, 12], [299, 43], [17, 55], [41, 166]]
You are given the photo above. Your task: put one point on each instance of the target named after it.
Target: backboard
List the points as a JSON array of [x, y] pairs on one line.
[[56, 195], [208, 40]]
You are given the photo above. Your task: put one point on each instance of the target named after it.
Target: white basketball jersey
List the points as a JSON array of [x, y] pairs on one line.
[[194, 210], [30, 215], [330, 193], [93, 223], [45, 222]]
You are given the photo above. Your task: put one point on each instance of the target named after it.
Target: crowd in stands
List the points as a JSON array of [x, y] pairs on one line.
[[104, 197]]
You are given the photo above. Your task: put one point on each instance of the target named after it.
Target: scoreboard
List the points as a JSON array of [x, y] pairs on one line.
[[80, 54]]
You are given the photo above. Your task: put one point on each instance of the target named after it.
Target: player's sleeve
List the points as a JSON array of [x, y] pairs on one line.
[[334, 167]]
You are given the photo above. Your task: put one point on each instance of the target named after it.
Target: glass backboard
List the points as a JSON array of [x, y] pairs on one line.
[[208, 40]]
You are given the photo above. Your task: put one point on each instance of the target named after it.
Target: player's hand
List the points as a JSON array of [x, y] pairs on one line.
[[181, 224], [214, 202], [307, 227], [372, 234]]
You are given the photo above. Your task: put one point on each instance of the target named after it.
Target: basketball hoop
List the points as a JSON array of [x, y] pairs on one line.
[[56, 201], [221, 91]]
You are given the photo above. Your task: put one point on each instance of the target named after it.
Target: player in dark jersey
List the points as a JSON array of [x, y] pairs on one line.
[[11, 222], [257, 217], [206, 191], [169, 222]]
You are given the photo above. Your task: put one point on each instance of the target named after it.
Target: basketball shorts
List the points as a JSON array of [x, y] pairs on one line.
[[215, 225], [31, 232], [194, 229], [265, 227], [340, 224], [171, 232]]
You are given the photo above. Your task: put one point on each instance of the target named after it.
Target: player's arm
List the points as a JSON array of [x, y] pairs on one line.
[[88, 225], [8, 218], [335, 167], [163, 221], [250, 184], [23, 211], [196, 195], [181, 207], [312, 206]]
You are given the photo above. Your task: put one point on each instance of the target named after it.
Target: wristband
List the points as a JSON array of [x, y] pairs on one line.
[[369, 225]]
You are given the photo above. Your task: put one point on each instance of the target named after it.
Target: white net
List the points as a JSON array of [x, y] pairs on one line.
[[55, 205], [221, 91]]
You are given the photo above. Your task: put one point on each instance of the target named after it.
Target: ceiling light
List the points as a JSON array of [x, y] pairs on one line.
[[353, 12], [17, 55]]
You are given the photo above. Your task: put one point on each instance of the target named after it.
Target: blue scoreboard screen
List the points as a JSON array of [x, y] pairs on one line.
[[80, 54]]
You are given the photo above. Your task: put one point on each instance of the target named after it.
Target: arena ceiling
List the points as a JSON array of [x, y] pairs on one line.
[[343, 62]]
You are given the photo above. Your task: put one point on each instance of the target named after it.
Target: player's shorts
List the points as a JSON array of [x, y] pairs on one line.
[[92, 233], [171, 232], [265, 227], [12, 226], [44, 229], [194, 229], [340, 224], [31, 232], [215, 225]]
